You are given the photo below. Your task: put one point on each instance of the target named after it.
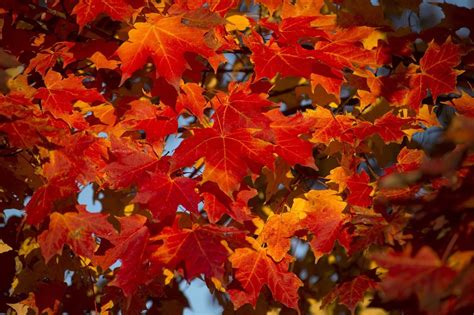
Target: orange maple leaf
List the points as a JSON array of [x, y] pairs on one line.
[[165, 40], [254, 269]]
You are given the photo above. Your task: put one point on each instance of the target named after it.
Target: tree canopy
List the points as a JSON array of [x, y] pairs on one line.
[[298, 156]]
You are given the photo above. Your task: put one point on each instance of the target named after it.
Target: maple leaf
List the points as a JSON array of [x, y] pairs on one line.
[[76, 229], [165, 40], [345, 49], [217, 203], [407, 160], [388, 127], [277, 232], [133, 232], [218, 6], [464, 105], [4, 247], [322, 214], [351, 292], [103, 112], [275, 179], [88, 10], [392, 87], [294, 30], [163, 194], [437, 74], [58, 95], [199, 249], [214, 207], [26, 133], [24, 123], [129, 246], [289, 132], [254, 269], [16, 105], [156, 121], [130, 163], [302, 8], [47, 58], [338, 175], [360, 190], [82, 157], [63, 169], [241, 109], [329, 79], [270, 60], [424, 274], [329, 126], [230, 164], [133, 272], [192, 99], [101, 62], [228, 155], [43, 199]]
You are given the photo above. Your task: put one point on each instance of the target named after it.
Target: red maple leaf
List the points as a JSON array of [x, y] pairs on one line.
[[217, 203], [437, 74], [423, 274], [192, 99], [322, 214], [165, 40], [351, 292], [47, 58], [59, 94], [87, 10], [228, 155], [76, 229], [254, 269], [360, 190], [129, 163], [133, 235], [42, 202], [198, 249], [162, 194], [289, 141], [241, 109]]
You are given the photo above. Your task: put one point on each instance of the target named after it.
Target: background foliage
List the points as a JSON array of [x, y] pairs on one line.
[[302, 156]]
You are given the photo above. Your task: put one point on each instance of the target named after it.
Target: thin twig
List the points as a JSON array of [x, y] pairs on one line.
[[450, 246]]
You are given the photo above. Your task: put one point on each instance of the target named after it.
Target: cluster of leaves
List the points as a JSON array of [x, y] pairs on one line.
[[291, 154]]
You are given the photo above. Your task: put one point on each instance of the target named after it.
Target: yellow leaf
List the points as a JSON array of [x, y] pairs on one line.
[[27, 246], [372, 41], [315, 308], [4, 247], [365, 310], [259, 224], [20, 309], [318, 198], [105, 309], [427, 116], [218, 284], [128, 210], [267, 210], [274, 311], [169, 275], [299, 206], [236, 23], [338, 176], [459, 260]]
